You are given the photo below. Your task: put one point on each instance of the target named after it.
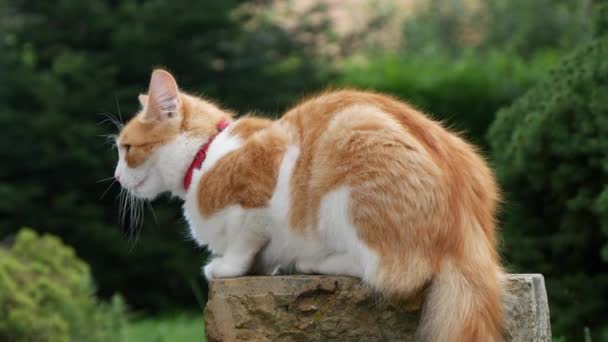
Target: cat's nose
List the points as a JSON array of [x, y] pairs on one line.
[[117, 177]]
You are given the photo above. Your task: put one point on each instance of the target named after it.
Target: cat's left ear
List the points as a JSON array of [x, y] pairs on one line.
[[143, 100], [163, 100]]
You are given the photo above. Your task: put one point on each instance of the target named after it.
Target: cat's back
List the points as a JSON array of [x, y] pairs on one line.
[[343, 120], [368, 110], [361, 141]]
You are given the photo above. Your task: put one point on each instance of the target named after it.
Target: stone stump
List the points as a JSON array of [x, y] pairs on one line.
[[337, 308]]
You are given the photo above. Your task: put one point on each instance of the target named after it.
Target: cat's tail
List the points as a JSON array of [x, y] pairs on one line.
[[464, 303]]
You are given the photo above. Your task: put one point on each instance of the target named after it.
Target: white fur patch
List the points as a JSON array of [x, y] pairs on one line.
[[285, 246], [350, 256], [174, 158], [212, 231], [334, 249], [223, 144], [281, 198]]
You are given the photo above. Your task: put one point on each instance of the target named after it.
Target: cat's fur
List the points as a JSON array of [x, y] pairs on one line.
[[347, 182]]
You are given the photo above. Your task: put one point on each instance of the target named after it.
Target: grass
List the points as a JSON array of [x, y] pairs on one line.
[[178, 328]]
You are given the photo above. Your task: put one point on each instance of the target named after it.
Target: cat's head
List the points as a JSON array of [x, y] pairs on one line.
[[157, 145]]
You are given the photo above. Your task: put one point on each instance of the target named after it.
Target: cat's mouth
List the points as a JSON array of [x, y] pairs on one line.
[[140, 183]]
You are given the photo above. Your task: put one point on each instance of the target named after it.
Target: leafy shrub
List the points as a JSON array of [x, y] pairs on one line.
[[465, 92], [46, 294], [551, 152]]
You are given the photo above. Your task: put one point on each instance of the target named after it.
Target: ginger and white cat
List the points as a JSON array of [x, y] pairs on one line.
[[347, 182]]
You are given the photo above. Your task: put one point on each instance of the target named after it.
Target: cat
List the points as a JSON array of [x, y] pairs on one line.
[[347, 182]]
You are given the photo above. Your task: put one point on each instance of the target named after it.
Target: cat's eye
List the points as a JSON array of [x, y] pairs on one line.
[[127, 147]]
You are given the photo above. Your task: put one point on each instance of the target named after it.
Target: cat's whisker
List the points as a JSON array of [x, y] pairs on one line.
[[121, 206], [141, 213], [105, 180], [107, 189], [124, 207], [152, 210], [140, 219], [134, 213], [111, 144], [112, 119], [117, 125], [128, 206], [105, 121], [131, 211], [110, 138], [136, 220], [118, 108]]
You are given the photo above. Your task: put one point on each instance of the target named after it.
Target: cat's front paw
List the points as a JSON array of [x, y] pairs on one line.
[[306, 267], [219, 268], [208, 272]]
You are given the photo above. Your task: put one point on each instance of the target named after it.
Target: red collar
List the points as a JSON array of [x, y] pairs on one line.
[[200, 156]]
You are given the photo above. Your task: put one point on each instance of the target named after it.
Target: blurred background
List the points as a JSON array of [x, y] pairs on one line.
[[526, 80]]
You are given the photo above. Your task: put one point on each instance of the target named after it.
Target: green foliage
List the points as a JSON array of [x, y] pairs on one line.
[[465, 92], [550, 152], [46, 294], [167, 328], [600, 18], [516, 26], [437, 28], [65, 62]]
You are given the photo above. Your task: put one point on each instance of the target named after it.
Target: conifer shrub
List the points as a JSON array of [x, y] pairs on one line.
[[550, 150]]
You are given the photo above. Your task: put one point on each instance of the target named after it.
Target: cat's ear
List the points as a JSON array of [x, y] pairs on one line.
[[163, 100], [143, 100]]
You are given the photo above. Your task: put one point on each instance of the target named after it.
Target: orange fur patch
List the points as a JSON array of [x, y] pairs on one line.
[[247, 176]]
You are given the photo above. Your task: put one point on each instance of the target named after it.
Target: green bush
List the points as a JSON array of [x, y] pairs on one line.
[[465, 92], [551, 153], [46, 294]]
